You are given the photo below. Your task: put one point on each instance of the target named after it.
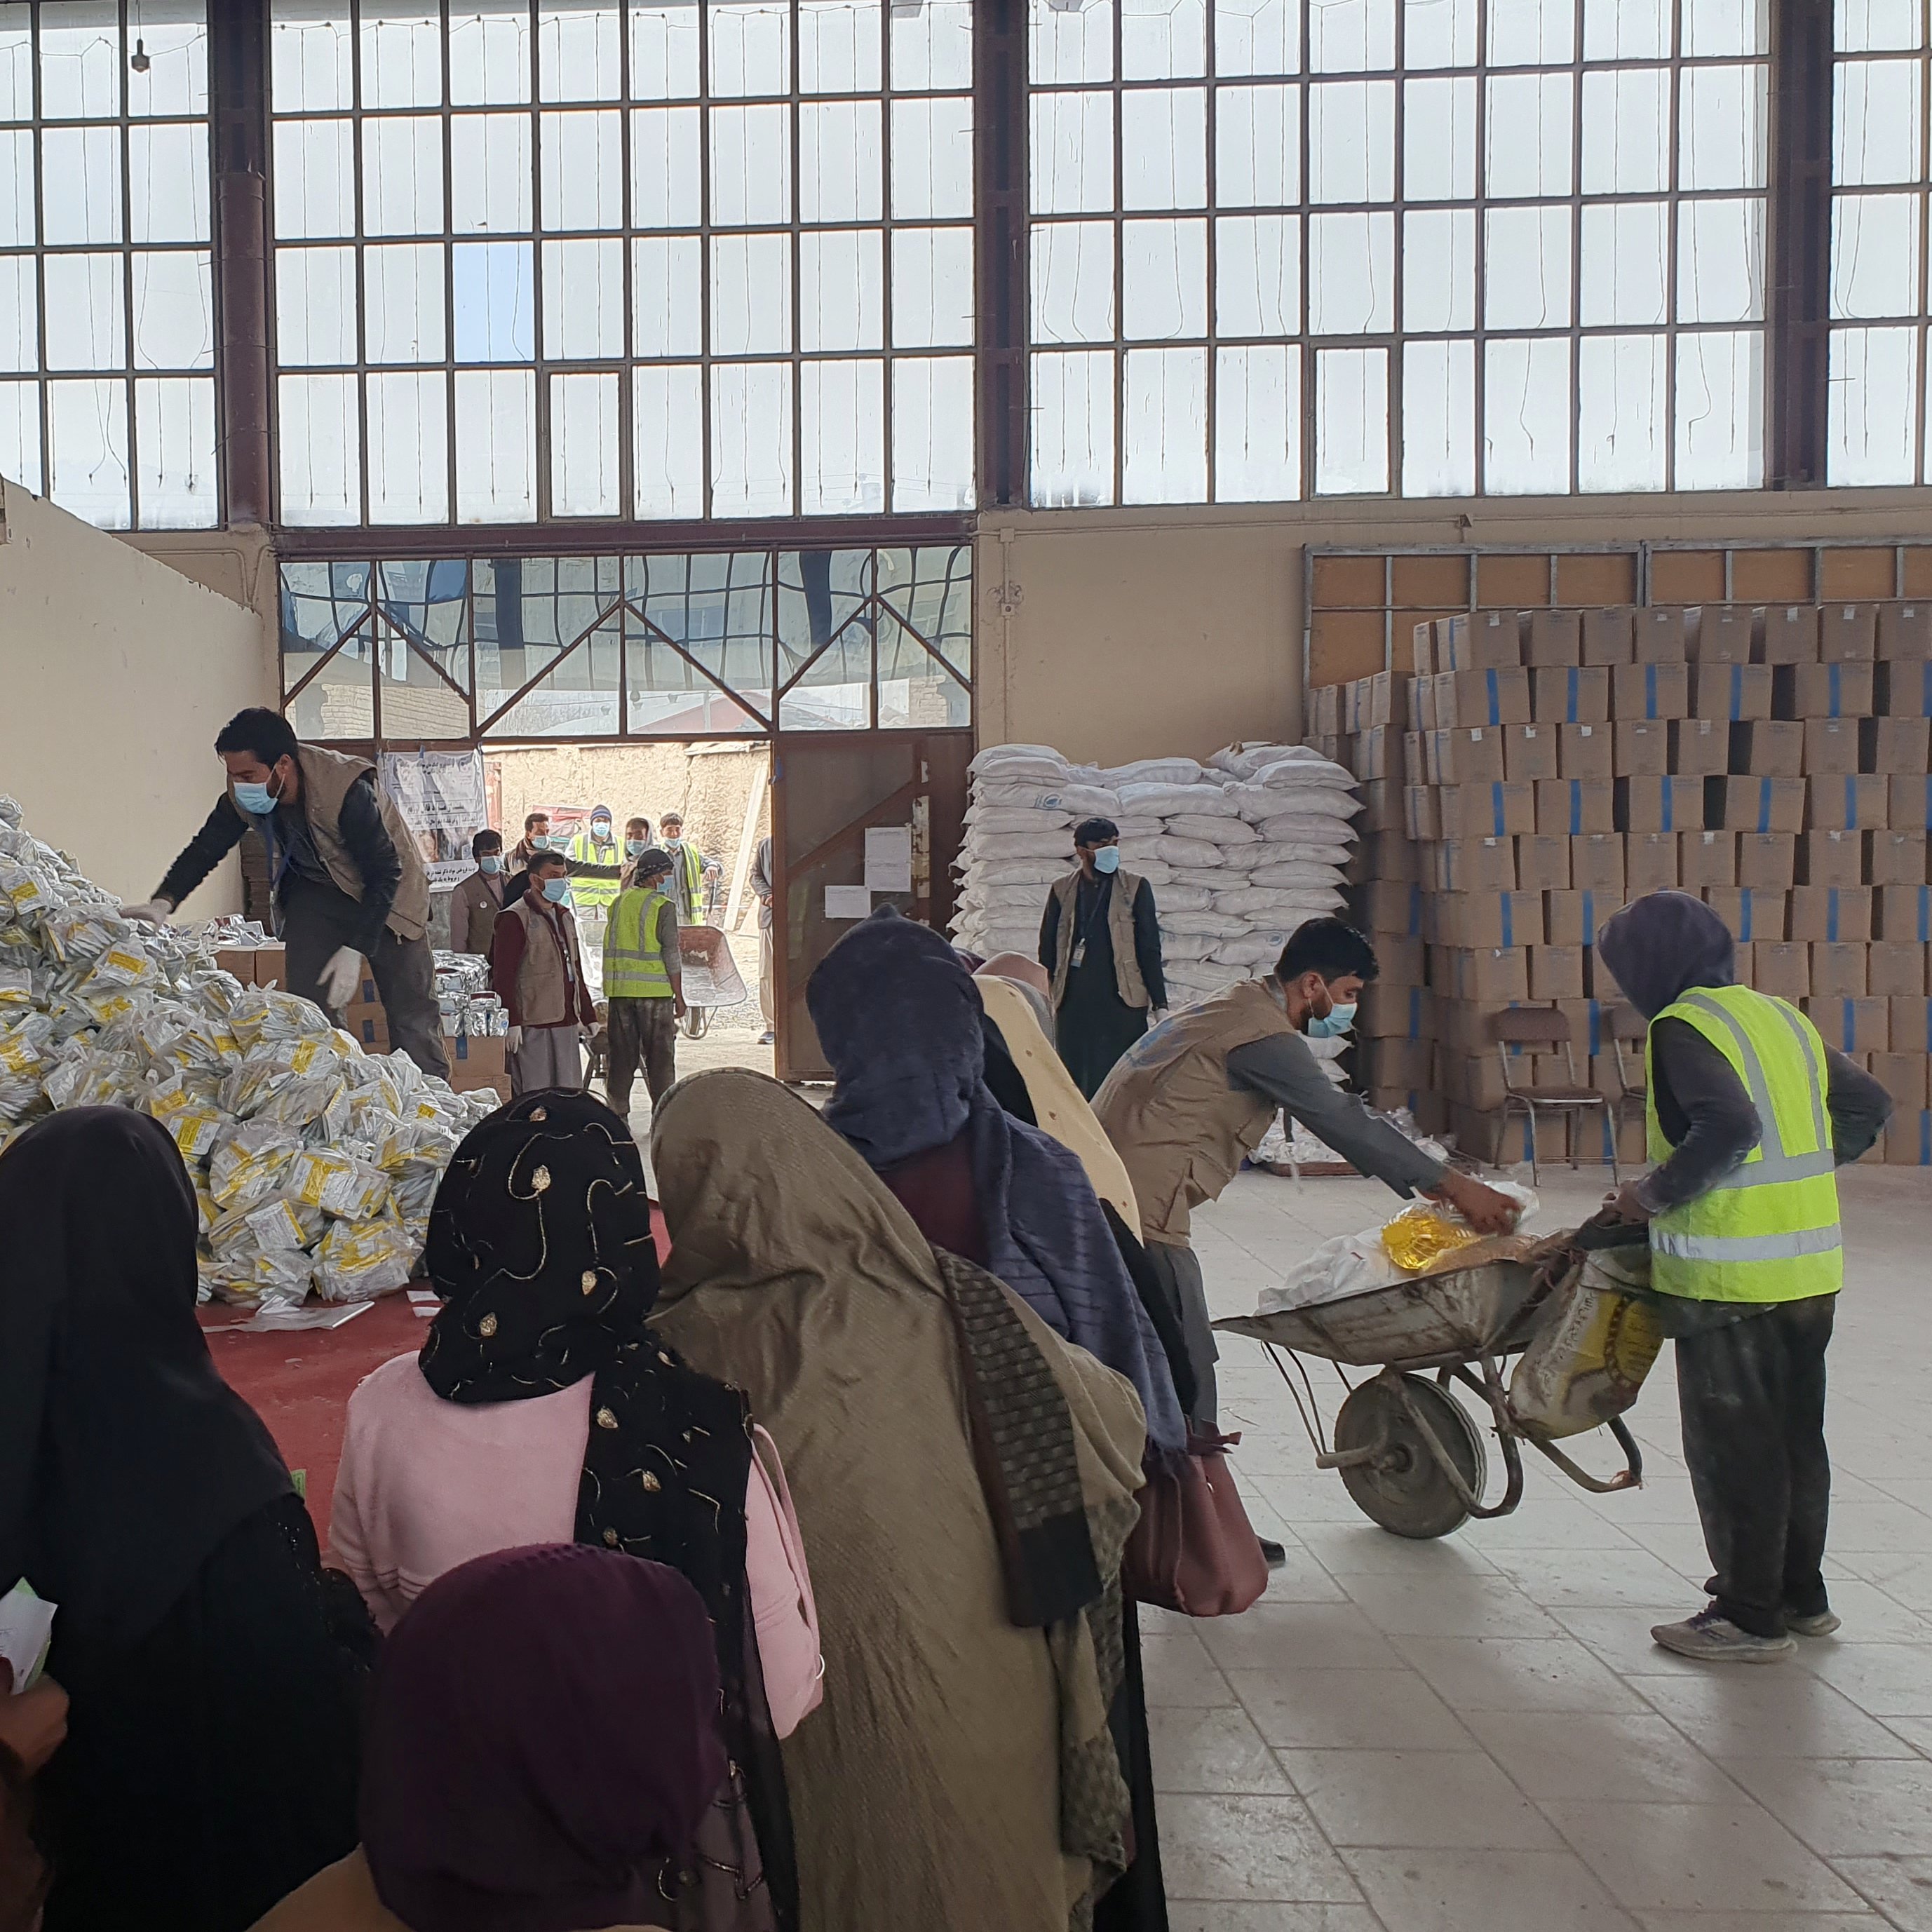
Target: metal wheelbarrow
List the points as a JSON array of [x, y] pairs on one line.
[[1408, 1452]]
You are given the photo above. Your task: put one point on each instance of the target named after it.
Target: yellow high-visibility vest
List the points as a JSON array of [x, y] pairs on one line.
[[1767, 1231], [633, 963]]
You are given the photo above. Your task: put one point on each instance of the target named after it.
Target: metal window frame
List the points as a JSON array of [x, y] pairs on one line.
[[545, 367], [366, 620], [131, 373], [1817, 326], [1308, 346]]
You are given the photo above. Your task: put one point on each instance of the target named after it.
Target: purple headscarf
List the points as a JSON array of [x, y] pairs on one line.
[[901, 1022], [543, 1739]]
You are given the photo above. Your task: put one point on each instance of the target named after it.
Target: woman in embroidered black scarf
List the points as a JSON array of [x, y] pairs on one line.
[[540, 1242], [965, 1481]]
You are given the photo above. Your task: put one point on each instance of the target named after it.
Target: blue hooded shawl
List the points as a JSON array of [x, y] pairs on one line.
[[899, 1020]]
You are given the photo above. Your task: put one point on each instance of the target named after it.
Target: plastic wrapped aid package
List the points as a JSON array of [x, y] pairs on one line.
[[1422, 1238], [313, 1163]]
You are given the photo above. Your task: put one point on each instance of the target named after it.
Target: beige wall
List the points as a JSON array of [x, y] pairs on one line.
[[117, 672], [1122, 633]]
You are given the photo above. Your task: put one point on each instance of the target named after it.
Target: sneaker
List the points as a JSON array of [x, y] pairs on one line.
[[1274, 1554], [768, 1040], [1711, 1638], [1825, 1624]]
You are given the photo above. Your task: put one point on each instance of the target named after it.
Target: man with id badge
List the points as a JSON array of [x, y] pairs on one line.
[[1100, 940]]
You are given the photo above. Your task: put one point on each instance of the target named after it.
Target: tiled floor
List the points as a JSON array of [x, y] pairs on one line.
[[1478, 1733]]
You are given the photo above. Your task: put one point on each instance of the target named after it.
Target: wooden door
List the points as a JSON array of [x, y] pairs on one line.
[[827, 789]]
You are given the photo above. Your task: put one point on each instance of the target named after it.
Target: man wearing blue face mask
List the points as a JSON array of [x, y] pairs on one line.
[[538, 973], [1193, 1100], [1100, 940], [478, 901], [347, 876]]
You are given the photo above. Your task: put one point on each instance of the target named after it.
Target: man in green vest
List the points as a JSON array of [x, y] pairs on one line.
[[643, 983], [596, 864], [687, 873], [1748, 1114], [345, 871]]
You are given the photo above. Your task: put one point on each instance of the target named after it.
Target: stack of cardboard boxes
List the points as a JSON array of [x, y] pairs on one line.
[[1539, 769], [475, 1060]]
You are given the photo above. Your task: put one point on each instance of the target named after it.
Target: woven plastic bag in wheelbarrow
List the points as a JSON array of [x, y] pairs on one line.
[[1594, 1345], [711, 979]]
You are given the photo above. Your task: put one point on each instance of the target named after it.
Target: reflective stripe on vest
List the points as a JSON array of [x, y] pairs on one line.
[[633, 966], [1768, 1231]]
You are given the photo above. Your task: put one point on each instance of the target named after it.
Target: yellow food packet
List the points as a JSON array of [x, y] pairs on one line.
[[1421, 1234]]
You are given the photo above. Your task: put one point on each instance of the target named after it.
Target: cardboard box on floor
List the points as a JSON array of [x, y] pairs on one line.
[[478, 1061]]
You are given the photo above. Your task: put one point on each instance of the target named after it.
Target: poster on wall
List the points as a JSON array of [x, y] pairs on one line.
[[441, 796]]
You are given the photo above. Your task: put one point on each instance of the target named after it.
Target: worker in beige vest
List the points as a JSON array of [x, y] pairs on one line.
[[1100, 939], [477, 902], [1192, 1101], [346, 875], [537, 969]]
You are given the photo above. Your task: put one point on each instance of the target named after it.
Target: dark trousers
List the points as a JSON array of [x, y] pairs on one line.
[[1180, 1273], [1752, 1398], [317, 921], [642, 1032]]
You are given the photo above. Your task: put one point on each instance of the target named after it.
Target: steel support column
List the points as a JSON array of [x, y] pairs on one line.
[[1798, 264], [999, 199], [237, 78]]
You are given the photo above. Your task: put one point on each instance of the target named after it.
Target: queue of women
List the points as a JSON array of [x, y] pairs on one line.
[[772, 1587]]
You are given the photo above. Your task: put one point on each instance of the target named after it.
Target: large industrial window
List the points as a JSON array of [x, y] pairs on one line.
[[708, 645], [637, 260], [107, 302], [1433, 247], [1879, 180]]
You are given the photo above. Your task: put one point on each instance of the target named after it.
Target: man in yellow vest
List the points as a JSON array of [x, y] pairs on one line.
[[596, 867], [1746, 1115], [1192, 1099], [643, 983], [346, 873], [687, 873]]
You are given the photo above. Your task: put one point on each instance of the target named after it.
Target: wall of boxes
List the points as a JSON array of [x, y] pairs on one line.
[[1533, 770]]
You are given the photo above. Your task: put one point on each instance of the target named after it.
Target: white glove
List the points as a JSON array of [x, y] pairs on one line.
[[1155, 1018], [156, 912], [513, 1040], [340, 976]]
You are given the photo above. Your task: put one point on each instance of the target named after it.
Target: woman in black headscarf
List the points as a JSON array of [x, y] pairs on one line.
[[210, 1764], [538, 1364]]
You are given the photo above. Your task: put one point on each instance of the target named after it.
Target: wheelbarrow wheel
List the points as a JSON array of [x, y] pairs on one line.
[[1405, 1489]]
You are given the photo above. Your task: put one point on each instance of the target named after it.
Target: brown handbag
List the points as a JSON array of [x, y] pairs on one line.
[[1193, 1549]]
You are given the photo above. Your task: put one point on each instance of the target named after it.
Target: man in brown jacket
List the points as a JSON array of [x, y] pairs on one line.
[[538, 973], [348, 881], [1191, 1100]]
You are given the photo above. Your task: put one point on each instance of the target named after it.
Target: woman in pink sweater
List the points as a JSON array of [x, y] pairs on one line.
[[541, 1409]]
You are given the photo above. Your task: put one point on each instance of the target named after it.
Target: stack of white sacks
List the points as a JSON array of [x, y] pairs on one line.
[[1239, 852]]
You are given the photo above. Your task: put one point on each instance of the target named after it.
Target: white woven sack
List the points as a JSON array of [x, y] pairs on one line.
[[1005, 757], [1313, 868], [1076, 801], [1303, 828], [1015, 872], [1016, 818], [1215, 925], [1185, 945], [1153, 771], [1258, 804], [1138, 828], [1178, 898], [994, 896], [1252, 949], [1216, 829], [1170, 851], [1018, 845], [1260, 908], [1156, 872], [1311, 770], [1164, 800], [1243, 760], [1200, 978]]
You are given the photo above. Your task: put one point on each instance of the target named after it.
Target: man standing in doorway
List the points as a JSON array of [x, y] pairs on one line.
[[1100, 941], [644, 984], [538, 973], [596, 870], [475, 904], [766, 886], [687, 870], [348, 880], [1191, 1100], [1746, 1115]]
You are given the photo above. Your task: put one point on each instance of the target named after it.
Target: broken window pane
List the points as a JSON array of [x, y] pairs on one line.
[[1068, 43], [493, 287]]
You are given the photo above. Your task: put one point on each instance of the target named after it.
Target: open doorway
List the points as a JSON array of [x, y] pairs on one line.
[[720, 789]]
